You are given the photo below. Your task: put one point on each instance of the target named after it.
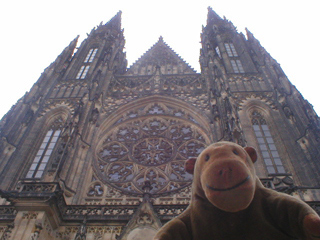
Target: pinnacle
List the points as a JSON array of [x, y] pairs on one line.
[[115, 21], [248, 31], [160, 39], [212, 15]]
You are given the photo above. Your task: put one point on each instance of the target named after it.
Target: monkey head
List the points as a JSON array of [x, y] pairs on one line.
[[224, 174]]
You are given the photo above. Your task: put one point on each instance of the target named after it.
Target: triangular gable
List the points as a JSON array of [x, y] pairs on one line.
[[160, 54]]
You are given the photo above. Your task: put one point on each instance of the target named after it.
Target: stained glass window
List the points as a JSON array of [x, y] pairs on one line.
[[83, 72], [149, 146], [43, 155], [231, 51], [266, 144], [237, 66], [91, 54], [85, 68]]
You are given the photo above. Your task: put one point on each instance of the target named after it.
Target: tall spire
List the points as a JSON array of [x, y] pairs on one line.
[[68, 51], [212, 16], [115, 22]]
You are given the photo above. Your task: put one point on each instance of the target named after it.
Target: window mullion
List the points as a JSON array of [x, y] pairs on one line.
[[93, 54], [234, 52], [46, 149], [268, 148], [42, 155], [239, 65], [88, 55], [80, 72], [85, 71]]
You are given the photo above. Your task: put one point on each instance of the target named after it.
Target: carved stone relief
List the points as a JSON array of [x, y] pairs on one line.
[[71, 89], [151, 149], [191, 88]]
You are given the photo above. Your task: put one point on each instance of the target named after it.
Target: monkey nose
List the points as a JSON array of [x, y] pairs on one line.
[[225, 171]]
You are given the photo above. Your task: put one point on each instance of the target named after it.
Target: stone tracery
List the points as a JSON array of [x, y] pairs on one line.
[[149, 144]]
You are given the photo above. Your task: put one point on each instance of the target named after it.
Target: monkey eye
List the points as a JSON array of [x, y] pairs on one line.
[[235, 152], [207, 158]]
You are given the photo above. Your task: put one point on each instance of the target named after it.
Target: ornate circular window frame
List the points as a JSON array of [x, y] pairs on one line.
[[149, 144]]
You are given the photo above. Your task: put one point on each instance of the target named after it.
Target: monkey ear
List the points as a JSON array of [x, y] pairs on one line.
[[189, 165], [252, 153]]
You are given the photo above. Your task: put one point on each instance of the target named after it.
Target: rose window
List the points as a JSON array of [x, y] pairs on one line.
[[152, 150]]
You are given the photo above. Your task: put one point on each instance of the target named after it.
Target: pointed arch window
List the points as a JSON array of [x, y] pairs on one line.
[[45, 150], [83, 72], [218, 51], [231, 51], [85, 68], [237, 66], [266, 144], [235, 61], [91, 54]]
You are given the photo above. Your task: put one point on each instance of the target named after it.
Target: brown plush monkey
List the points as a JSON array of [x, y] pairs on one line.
[[229, 202]]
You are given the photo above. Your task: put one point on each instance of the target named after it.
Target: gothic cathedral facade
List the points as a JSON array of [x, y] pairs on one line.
[[96, 150]]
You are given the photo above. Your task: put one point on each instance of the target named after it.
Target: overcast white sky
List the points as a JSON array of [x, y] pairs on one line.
[[33, 34]]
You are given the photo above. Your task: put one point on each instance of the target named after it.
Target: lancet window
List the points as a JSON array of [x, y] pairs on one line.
[[45, 150], [235, 61], [91, 54], [266, 144], [218, 51], [85, 68], [231, 51], [237, 66], [83, 72]]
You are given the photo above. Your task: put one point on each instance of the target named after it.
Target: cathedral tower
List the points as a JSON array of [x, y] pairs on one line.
[[96, 150]]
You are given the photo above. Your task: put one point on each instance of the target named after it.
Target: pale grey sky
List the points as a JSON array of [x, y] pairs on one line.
[[33, 34]]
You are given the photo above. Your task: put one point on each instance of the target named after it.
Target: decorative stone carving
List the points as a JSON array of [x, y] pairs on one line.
[[95, 189], [30, 215], [69, 89], [7, 232], [37, 229], [148, 136], [94, 115], [148, 149], [127, 88]]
